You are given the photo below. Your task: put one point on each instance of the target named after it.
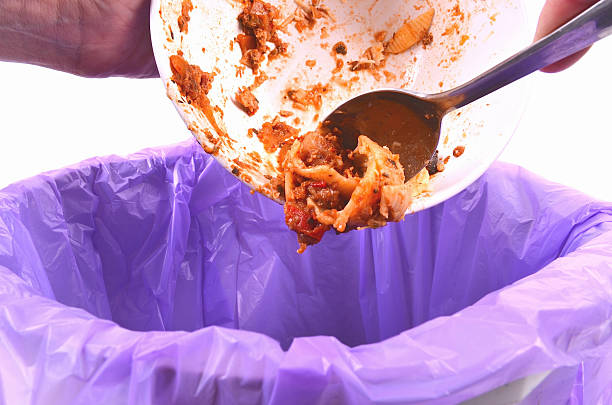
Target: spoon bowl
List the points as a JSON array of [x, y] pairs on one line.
[[409, 124], [405, 122]]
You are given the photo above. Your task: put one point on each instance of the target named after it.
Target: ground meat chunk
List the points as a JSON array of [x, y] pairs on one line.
[[340, 48], [247, 101], [432, 165], [324, 196], [193, 83], [258, 22], [258, 18], [275, 134], [252, 59], [380, 36], [311, 97], [458, 151], [427, 40], [318, 149]]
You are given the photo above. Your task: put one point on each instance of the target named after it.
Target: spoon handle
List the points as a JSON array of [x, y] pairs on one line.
[[592, 25]]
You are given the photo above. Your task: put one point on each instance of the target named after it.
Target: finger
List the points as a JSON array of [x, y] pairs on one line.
[[565, 63], [554, 14]]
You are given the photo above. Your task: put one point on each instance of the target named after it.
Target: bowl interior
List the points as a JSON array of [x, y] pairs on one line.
[[468, 38]]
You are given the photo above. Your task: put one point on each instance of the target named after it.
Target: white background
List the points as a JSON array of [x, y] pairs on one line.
[[50, 119]]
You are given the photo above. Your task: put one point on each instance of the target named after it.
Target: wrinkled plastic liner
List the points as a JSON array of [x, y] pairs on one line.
[[160, 279]]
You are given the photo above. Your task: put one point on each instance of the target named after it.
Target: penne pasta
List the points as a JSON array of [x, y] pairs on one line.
[[410, 33]]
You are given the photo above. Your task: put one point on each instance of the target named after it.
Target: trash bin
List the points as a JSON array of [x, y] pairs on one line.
[[159, 279]]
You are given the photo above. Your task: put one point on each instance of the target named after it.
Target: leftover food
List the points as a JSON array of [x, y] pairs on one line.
[[247, 101], [183, 19], [306, 15], [258, 19], [192, 82], [458, 151], [410, 33], [329, 187]]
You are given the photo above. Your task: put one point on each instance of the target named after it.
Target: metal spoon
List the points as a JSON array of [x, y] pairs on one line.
[[410, 123]]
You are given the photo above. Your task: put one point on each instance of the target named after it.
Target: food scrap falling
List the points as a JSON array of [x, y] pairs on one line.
[[325, 185]]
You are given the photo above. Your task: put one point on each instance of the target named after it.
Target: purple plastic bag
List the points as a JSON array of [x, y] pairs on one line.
[[125, 281]]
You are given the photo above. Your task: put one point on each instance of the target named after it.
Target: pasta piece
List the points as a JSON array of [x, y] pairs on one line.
[[294, 163], [325, 217], [382, 168], [344, 185], [410, 33], [327, 186], [395, 199]]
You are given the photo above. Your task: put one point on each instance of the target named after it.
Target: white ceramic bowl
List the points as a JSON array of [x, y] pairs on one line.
[[467, 41]]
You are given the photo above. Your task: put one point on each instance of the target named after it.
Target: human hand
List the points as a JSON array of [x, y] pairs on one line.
[[554, 14], [115, 39], [92, 38]]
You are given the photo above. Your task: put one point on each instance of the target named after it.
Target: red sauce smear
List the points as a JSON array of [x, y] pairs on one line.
[[184, 18], [194, 85]]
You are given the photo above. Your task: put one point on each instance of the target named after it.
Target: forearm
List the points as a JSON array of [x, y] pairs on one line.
[[41, 32]]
